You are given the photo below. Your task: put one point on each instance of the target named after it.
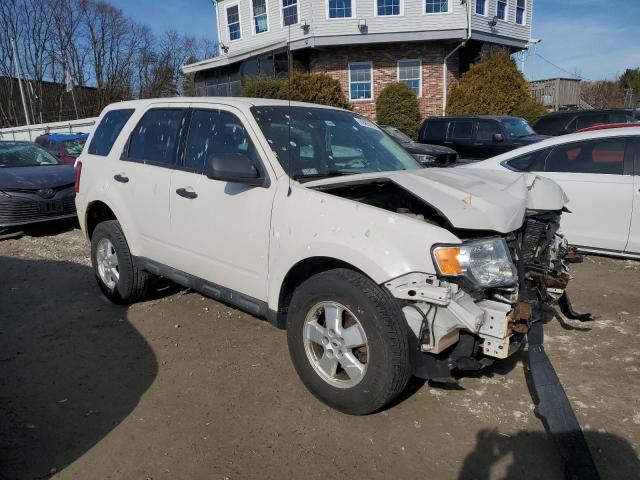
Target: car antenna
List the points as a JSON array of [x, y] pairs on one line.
[[289, 73]]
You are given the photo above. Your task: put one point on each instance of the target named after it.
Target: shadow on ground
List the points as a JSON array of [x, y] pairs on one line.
[[530, 455], [71, 367]]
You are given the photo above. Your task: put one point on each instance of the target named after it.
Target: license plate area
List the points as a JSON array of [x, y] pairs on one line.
[[52, 207]]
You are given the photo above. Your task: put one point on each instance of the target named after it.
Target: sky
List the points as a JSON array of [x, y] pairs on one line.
[[597, 39]]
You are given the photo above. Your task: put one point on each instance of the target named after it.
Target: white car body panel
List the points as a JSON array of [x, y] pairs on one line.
[[605, 208], [307, 223]]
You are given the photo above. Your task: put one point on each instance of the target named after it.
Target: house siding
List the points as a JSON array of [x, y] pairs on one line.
[[413, 19], [335, 62]]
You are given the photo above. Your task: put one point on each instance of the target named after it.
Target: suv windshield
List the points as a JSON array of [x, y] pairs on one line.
[[74, 147], [397, 134], [25, 155], [517, 127], [319, 142]]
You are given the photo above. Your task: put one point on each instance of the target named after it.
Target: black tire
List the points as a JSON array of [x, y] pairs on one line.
[[388, 365], [133, 281]]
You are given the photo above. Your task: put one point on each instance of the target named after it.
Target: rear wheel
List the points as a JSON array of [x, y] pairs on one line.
[[347, 341], [115, 269]]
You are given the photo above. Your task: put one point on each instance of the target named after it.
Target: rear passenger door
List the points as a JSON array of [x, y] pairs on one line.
[[633, 244], [220, 230], [597, 177], [460, 137], [143, 176]]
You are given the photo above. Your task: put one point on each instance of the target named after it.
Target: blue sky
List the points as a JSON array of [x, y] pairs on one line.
[[597, 38]]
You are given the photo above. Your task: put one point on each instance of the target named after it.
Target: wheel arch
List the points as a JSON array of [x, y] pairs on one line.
[[97, 212], [296, 275]]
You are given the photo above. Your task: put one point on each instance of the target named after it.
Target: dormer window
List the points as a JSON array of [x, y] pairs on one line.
[[501, 10], [289, 12], [233, 22], [340, 9]]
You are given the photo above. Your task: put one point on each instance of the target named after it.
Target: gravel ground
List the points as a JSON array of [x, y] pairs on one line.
[[181, 386]]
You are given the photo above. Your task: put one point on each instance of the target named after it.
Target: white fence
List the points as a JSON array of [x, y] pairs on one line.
[[30, 132]]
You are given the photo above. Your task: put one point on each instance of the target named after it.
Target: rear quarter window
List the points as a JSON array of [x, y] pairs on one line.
[[108, 130], [434, 130]]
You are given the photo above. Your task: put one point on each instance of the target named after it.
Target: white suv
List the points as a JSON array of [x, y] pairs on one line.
[[314, 218]]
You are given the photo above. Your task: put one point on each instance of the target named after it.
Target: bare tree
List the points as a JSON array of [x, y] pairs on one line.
[[602, 94]]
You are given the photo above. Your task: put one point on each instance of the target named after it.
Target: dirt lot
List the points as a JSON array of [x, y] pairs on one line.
[[181, 386]]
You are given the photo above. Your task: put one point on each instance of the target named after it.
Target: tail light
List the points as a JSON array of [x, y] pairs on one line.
[[78, 173]]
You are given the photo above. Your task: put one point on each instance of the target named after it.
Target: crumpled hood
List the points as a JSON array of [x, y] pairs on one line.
[[471, 198], [46, 176]]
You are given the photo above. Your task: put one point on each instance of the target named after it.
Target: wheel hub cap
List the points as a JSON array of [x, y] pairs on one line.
[[107, 263], [336, 344]]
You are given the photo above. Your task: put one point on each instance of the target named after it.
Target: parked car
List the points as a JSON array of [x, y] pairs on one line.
[[570, 121], [478, 137], [34, 185], [66, 146], [427, 155], [315, 219], [600, 173]]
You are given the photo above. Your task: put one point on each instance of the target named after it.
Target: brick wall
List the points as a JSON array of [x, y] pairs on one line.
[[335, 61]]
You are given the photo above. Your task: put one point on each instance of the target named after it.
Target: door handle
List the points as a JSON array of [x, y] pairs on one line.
[[190, 194], [121, 178]]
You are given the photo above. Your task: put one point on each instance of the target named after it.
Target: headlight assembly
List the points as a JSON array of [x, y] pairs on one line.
[[486, 263], [425, 159]]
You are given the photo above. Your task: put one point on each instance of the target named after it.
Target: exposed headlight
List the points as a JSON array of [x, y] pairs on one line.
[[485, 262], [424, 159]]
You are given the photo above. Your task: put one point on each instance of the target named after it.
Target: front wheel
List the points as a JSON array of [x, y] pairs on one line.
[[347, 341]]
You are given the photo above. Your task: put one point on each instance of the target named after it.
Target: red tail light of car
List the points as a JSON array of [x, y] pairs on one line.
[[78, 173]]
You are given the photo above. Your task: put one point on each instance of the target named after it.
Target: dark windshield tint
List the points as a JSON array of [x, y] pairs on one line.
[[517, 127], [108, 130], [315, 142], [25, 155]]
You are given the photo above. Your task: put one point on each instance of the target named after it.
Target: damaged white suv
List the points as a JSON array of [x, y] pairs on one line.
[[314, 218]]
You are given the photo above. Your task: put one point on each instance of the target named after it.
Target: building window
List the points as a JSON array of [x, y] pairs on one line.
[[360, 81], [501, 10], [521, 8], [387, 7], [437, 6], [410, 73], [481, 7], [260, 21], [339, 8], [289, 12], [233, 22]]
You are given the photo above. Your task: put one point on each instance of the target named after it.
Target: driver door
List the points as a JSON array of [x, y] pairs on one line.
[[220, 230]]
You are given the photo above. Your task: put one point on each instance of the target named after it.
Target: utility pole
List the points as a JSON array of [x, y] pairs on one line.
[[19, 75]]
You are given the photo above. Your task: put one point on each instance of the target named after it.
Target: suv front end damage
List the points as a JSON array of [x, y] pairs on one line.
[[468, 315]]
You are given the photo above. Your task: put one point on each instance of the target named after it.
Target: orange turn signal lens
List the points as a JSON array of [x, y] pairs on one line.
[[446, 259]]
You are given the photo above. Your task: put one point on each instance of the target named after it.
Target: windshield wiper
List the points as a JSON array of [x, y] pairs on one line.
[[316, 176]]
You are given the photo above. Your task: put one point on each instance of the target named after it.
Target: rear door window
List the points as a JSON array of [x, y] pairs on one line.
[[604, 156], [460, 130], [620, 117], [156, 138], [215, 132], [108, 130]]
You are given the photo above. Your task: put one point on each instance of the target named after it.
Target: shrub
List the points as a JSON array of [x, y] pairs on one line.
[[310, 87], [397, 105], [494, 86]]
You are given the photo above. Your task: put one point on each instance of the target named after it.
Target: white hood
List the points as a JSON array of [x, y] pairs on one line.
[[474, 199]]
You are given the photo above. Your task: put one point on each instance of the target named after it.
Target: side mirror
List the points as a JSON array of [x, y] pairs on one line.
[[234, 168], [498, 137]]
